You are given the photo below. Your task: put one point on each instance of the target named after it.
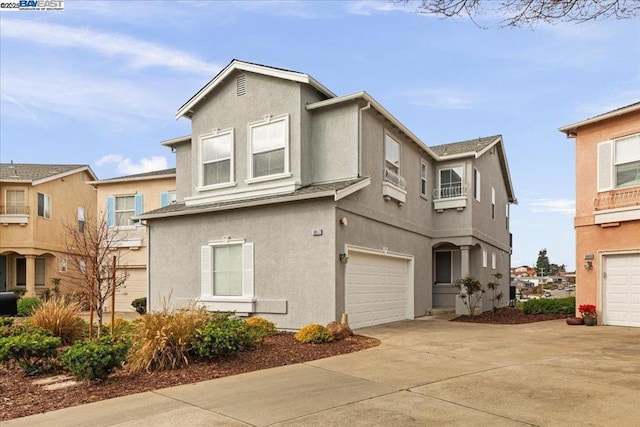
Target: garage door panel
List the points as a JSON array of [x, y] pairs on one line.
[[622, 290], [135, 287]]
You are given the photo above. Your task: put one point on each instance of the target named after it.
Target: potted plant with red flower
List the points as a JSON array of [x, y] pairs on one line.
[[588, 312]]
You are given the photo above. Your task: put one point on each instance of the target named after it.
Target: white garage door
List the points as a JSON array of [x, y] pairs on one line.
[[135, 287], [622, 290], [376, 289]]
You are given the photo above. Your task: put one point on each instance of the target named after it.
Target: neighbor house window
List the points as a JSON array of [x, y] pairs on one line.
[[120, 209], [476, 184], [619, 163], [21, 271], [227, 269], [392, 154], [40, 271], [450, 182], [493, 203], [83, 266], [63, 265], [484, 258], [167, 198], [15, 202], [44, 206], [217, 158], [423, 178], [506, 213], [493, 260], [269, 146], [81, 219]]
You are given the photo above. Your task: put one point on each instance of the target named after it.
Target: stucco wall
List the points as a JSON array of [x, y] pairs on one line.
[[184, 182]]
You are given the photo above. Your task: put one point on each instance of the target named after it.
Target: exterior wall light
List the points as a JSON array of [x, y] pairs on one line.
[[588, 265], [343, 258]]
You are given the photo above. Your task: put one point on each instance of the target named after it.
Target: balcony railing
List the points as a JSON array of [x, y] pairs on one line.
[[394, 178], [14, 210], [450, 191], [617, 199]]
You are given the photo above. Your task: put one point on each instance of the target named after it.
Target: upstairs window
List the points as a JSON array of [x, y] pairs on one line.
[[619, 163], [392, 154], [493, 203], [120, 209], [81, 219], [44, 206], [423, 178], [476, 184], [15, 202], [217, 158], [450, 182], [167, 198], [269, 147]]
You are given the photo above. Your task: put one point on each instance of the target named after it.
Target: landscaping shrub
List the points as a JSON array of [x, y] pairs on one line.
[[261, 328], [140, 304], [121, 328], [26, 306], [550, 305], [162, 340], [223, 336], [34, 351], [95, 360], [6, 321], [313, 333], [5, 326], [60, 318]]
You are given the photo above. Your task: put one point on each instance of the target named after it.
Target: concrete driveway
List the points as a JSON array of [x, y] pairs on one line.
[[426, 372]]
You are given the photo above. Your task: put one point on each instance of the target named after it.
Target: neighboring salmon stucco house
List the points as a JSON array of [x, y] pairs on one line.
[[298, 205], [607, 221], [36, 202], [119, 200]]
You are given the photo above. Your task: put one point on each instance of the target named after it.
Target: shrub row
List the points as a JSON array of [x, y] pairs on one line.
[[550, 305]]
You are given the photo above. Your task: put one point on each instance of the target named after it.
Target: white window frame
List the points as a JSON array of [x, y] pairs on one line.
[[493, 260], [608, 163], [484, 258], [217, 133], [458, 168], [81, 220], [116, 211], [266, 121], [46, 208], [63, 266], [423, 178], [13, 208], [493, 203], [390, 164], [476, 184], [506, 213]]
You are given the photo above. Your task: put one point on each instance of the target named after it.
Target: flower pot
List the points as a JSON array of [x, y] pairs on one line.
[[575, 321], [590, 321]]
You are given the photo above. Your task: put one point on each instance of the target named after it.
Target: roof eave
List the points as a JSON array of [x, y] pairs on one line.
[[572, 130], [142, 178], [62, 175], [175, 141]]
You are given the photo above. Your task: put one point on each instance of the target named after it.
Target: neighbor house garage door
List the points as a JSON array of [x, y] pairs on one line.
[[376, 289], [622, 290], [134, 287]]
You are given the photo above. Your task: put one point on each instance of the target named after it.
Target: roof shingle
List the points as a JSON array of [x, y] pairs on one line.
[[33, 172], [468, 146]]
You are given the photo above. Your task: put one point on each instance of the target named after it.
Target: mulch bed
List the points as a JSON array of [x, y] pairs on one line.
[[19, 397], [508, 316]]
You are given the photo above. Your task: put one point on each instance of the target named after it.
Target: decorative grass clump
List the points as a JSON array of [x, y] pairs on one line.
[[163, 340], [314, 333], [60, 318], [261, 328]]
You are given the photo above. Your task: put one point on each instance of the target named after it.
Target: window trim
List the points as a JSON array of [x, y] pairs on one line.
[[493, 203], [387, 135], [268, 120], [46, 203], [461, 167], [424, 190], [216, 133], [23, 207], [607, 164], [493, 260], [484, 258], [116, 211], [477, 184]]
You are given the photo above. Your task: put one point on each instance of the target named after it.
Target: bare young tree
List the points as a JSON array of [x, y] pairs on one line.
[[92, 249], [518, 13]]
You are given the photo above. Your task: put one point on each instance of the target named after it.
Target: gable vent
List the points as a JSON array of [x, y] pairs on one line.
[[241, 85]]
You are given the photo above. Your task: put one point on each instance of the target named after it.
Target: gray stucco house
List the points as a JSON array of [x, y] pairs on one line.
[[298, 205]]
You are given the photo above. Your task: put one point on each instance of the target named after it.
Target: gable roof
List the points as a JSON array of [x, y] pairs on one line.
[[38, 173], [163, 173], [234, 65], [468, 147], [572, 129]]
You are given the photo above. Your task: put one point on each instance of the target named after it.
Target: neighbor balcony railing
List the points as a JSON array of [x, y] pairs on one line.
[[449, 191], [14, 210], [617, 199]]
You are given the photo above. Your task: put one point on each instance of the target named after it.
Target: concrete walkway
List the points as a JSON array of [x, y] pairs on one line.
[[426, 372]]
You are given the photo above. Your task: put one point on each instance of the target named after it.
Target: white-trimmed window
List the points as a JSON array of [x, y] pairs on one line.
[[423, 178], [493, 260], [392, 154], [227, 269], [506, 212], [484, 258], [476, 184], [450, 182], [44, 206], [217, 158], [81, 220], [63, 265], [120, 209], [619, 163], [493, 203], [40, 271], [15, 203], [269, 147]]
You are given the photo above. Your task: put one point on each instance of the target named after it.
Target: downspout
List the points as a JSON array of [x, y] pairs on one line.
[[148, 228], [360, 137]]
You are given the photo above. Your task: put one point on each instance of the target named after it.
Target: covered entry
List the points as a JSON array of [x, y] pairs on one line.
[[378, 287]]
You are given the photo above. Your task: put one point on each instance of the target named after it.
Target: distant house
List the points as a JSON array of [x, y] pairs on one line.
[[523, 271], [36, 201], [607, 218], [298, 205], [119, 200]]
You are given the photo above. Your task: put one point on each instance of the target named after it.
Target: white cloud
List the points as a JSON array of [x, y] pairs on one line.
[[563, 206], [369, 7], [138, 53], [441, 98], [126, 166]]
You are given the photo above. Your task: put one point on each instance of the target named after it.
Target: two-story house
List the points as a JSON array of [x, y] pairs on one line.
[[119, 200], [298, 205], [36, 202], [607, 220]]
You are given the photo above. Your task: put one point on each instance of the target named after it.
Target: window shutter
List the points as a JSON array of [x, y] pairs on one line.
[[206, 289], [111, 211], [247, 270], [164, 199], [138, 206], [605, 166]]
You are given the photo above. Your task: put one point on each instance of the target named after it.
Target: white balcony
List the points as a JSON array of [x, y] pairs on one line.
[[450, 197], [13, 214]]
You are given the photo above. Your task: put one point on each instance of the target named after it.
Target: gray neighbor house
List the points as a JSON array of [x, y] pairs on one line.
[[298, 205]]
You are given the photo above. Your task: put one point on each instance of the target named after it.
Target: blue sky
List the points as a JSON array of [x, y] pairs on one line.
[[99, 84]]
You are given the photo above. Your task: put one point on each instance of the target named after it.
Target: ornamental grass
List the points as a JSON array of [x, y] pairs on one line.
[[59, 317]]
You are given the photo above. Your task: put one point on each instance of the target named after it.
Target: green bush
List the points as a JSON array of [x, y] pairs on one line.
[[26, 306], [140, 304], [550, 305], [223, 336], [6, 321], [6, 324], [314, 333], [95, 360], [34, 351], [261, 328]]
